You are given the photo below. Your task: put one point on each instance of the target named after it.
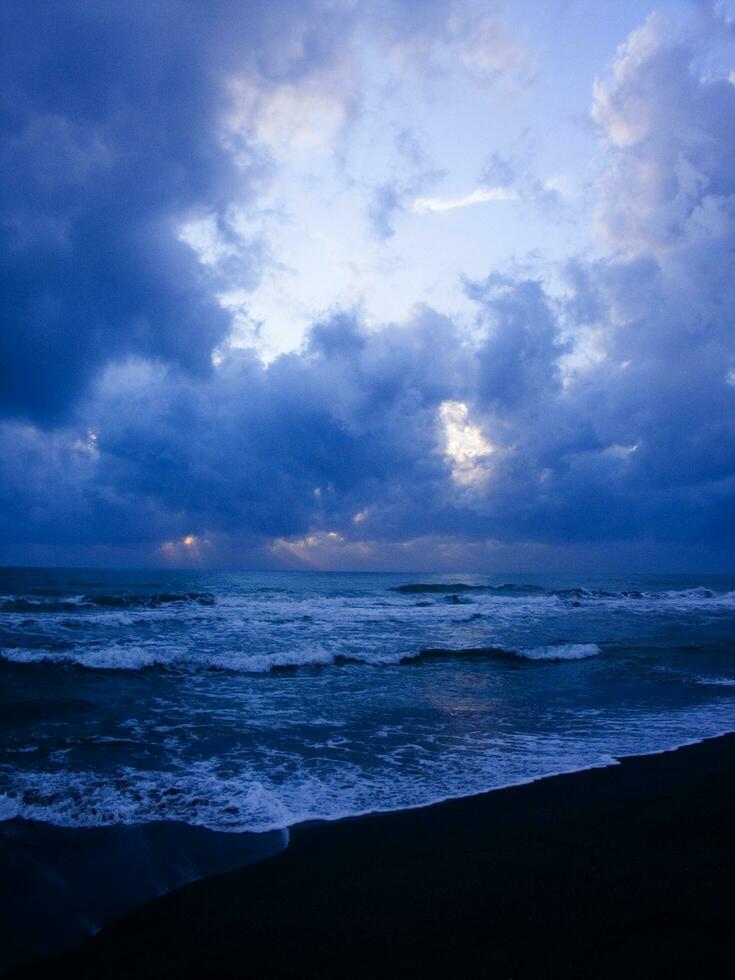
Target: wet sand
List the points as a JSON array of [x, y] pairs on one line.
[[626, 871]]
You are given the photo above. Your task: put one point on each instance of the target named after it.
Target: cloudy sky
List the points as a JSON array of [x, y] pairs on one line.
[[368, 284]]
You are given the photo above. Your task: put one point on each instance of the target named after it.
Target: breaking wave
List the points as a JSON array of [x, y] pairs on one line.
[[571, 595], [562, 651], [716, 681], [24, 605], [72, 604], [442, 588], [150, 601], [552, 652], [138, 657], [200, 797]]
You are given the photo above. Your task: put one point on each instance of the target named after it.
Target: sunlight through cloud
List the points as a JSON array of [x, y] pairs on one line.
[[465, 447]]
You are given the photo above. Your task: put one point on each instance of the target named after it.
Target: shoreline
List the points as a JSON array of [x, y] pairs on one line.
[[603, 871], [611, 761]]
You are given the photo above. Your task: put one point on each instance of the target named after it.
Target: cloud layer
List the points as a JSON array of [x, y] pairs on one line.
[[596, 414]]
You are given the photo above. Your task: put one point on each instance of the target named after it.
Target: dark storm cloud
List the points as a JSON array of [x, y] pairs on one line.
[[314, 436], [111, 135]]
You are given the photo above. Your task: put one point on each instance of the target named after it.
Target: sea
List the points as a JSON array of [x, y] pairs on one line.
[[230, 706]]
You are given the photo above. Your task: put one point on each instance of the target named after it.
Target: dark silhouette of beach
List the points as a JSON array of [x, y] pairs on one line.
[[626, 871]]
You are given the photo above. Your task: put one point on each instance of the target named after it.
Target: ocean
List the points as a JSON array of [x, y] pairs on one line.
[[244, 703], [248, 702]]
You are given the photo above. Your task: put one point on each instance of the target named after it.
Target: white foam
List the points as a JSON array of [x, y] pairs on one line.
[[136, 657], [716, 681], [263, 663], [110, 657], [200, 797], [8, 807], [562, 651]]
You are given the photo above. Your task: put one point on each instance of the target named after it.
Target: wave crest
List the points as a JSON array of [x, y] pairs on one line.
[[436, 588], [552, 652], [561, 651], [72, 604], [574, 595], [137, 657]]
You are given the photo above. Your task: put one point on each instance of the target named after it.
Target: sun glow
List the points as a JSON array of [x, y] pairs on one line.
[[188, 550], [465, 447]]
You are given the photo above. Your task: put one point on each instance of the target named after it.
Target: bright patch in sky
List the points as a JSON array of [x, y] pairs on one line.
[[480, 196], [394, 132], [192, 549], [464, 444]]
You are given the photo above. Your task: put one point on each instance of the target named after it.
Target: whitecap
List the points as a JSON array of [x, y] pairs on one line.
[[8, 807], [560, 651], [716, 681]]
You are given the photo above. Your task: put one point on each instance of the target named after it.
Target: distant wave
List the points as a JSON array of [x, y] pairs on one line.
[[70, 604], [562, 651], [716, 681], [111, 657], [421, 588], [557, 651], [24, 605], [448, 588], [573, 595], [123, 601], [668, 594], [137, 657], [423, 593], [119, 656]]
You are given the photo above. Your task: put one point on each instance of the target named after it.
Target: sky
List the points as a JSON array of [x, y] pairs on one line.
[[339, 284]]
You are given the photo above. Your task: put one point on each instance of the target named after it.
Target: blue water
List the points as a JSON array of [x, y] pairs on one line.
[[247, 702]]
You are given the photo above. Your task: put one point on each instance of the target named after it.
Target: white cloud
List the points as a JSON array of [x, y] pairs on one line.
[[465, 447], [489, 51], [305, 117], [481, 195], [669, 184]]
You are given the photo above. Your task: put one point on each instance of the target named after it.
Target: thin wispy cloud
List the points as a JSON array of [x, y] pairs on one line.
[[481, 195]]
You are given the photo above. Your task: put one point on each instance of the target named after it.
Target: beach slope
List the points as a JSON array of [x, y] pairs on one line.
[[626, 871]]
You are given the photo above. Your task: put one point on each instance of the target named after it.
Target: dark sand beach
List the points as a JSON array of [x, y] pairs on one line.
[[626, 871]]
